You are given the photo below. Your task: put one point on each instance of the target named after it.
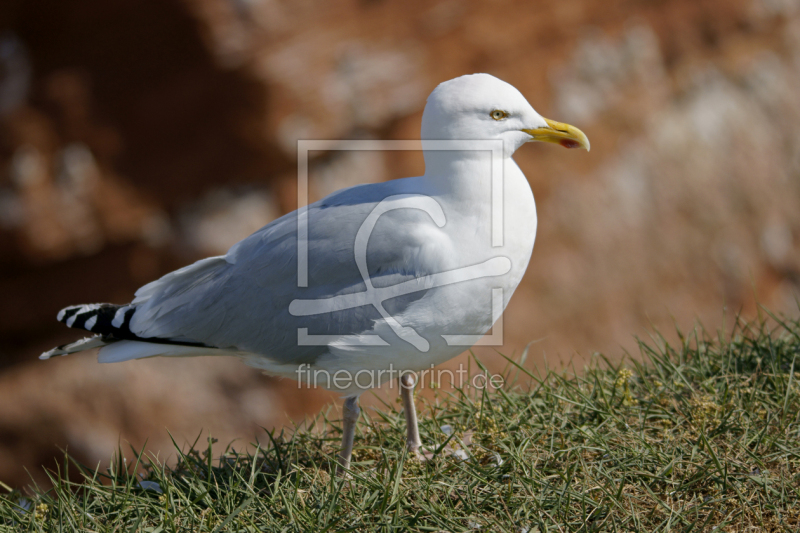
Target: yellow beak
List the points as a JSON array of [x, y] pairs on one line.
[[559, 133]]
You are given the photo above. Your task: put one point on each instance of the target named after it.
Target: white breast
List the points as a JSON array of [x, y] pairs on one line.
[[463, 308]]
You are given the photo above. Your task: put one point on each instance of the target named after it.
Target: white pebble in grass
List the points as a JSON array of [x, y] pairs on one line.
[[460, 454]]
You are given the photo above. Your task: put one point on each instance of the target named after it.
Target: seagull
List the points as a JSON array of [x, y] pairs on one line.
[[373, 283]]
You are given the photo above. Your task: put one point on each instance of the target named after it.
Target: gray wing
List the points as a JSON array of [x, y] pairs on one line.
[[241, 300]]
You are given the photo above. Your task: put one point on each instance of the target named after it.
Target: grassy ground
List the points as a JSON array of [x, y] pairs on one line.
[[704, 436]]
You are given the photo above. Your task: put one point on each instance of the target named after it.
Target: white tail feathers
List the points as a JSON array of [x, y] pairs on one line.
[[84, 344]]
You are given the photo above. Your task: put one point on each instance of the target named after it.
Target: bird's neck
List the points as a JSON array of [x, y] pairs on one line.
[[465, 173]]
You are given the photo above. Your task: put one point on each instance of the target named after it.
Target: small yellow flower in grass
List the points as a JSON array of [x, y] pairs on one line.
[[704, 408], [41, 511], [322, 477], [622, 377], [491, 429], [209, 518], [622, 382]]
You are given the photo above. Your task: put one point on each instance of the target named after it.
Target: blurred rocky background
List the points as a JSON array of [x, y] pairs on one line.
[[137, 136]]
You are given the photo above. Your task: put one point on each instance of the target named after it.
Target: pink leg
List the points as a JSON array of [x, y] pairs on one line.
[[350, 412], [407, 382]]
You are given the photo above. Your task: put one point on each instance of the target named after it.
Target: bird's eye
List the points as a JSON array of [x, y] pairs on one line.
[[499, 115]]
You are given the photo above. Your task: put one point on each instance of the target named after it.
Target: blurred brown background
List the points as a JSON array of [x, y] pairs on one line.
[[137, 136]]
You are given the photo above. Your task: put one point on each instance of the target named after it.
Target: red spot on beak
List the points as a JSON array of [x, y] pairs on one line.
[[569, 143]]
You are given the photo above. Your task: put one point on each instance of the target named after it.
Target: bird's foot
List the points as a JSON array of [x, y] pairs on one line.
[[343, 474], [420, 453]]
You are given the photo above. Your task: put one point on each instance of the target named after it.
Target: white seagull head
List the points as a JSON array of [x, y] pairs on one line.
[[480, 106]]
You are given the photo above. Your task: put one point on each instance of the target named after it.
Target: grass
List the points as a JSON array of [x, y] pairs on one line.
[[699, 436]]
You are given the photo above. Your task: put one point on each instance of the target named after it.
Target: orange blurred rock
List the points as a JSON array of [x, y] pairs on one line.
[[88, 409]]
